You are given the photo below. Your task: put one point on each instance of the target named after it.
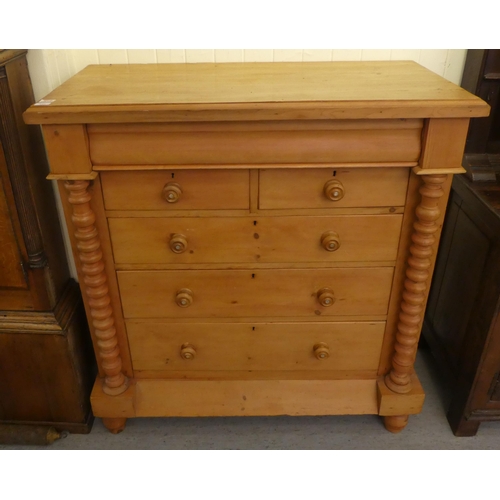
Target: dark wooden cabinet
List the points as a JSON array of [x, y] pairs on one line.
[[482, 77], [462, 322], [46, 361]]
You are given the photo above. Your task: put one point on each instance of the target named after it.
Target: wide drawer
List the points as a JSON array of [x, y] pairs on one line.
[[259, 142], [176, 190], [255, 346], [255, 293], [332, 188], [189, 240]]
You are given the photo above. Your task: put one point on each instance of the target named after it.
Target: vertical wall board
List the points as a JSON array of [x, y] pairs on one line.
[[200, 55], [228, 55], [258, 55], [317, 55], [376, 54], [287, 55], [141, 56], [113, 56], [346, 55], [171, 55]]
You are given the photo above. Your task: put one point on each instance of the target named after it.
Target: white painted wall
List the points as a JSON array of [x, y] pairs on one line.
[[49, 68]]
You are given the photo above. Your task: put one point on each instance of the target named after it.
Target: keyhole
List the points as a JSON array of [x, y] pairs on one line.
[[254, 222], [334, 173], [173, 175], [253, 276]]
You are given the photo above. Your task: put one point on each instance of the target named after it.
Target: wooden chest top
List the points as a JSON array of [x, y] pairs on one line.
[[254, 91]]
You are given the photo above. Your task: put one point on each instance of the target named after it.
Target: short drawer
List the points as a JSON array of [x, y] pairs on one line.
[[190, 240], [176, 190], [160, 346], [332, 188], [254, 293]]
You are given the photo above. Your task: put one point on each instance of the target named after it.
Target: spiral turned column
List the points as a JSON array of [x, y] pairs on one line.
[[95, 287], [418, 275]]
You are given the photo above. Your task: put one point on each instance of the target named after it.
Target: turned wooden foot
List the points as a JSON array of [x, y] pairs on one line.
[[114, 425], [395, 423]]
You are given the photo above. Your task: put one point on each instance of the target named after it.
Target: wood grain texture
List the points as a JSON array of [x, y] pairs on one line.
[[183, 92], [254, 239], [46, 365], [254, 397], [7, 55], [257, 346], [443, 143], [267, 293], [394, 404], [282, 189], [395, 423], [97, 206], [255, 235], [229, 189], [112, 406], [67, 149], [257, 374], [191, 398], [34, 198], [462, 324], [409, 218], [11, 275], [418, 274], [279, 142], [15, 157], [46, 361], [114, 425], [95, 286]]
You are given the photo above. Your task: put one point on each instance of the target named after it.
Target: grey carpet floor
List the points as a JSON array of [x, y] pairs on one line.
[[427, 431]]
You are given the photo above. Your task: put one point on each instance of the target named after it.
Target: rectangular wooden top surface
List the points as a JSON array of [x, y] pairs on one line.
[[254, 91]]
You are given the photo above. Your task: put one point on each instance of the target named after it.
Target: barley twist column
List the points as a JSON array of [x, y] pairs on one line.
[[416, 284], [95, 287]]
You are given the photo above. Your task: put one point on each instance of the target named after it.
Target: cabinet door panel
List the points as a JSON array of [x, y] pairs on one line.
[[11, 271]]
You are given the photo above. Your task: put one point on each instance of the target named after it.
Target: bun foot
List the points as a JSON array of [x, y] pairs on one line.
[[114, 425], [395, 423]]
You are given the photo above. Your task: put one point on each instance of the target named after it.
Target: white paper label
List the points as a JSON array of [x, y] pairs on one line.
[[44, 102]]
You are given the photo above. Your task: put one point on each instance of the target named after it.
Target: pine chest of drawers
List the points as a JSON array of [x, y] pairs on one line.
[[255, 239]]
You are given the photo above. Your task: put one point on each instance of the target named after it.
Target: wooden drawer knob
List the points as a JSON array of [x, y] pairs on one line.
[[172, 192], [178, 243], [326, 297], [184, 297], [321, 350], [188, 351], [334, 190], [330, 241]]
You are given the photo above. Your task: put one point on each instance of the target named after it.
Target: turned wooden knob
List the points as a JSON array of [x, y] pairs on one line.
[[178, 243], [188, 351], [321, 350], [330, 241], [184, 297], [326, 297], [172, 192], [334, 190]]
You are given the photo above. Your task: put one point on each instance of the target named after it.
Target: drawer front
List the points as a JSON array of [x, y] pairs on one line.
[[176, 190], [332, 188], [232, 346], [254, 293], [186, 240], [223, 143]]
